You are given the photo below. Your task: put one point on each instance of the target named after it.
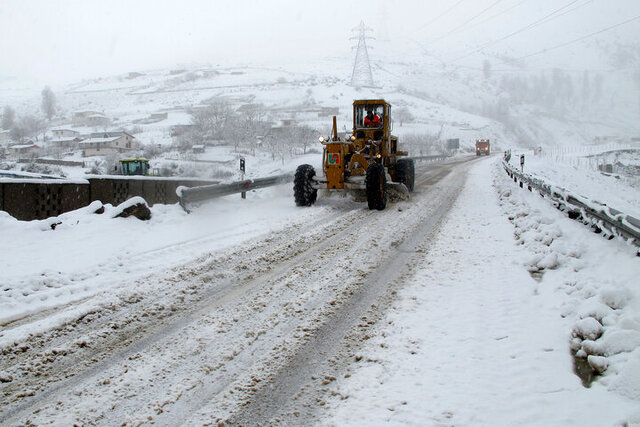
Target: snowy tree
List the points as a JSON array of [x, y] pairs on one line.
[[247, 124], [8, 118], [18, 132], [637, 80], [586, 90], [48, 102], [598, 84], [486, 69], [25, 127], [403, 114], [209, 123]]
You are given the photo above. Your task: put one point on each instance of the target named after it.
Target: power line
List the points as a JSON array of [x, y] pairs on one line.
[[527, 27], [470, 27], [580, 38], [440, 16], [467, 21]]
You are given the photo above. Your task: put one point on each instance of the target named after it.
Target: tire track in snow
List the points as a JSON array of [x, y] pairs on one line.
[[242, 323], [297, 390], [135, 320]]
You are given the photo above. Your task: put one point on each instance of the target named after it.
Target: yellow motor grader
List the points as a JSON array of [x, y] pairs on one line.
[[368, 159]]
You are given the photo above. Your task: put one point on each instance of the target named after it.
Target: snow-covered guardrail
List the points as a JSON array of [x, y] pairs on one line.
[[599, 216], [430, 158], [190, 195]]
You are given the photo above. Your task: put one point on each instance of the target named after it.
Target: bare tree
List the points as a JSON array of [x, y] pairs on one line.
[[18, 132], [8, 118], [48, 102], [243, 128], [305, 137], [403, 114], [27, 126], [486, 69], [637, 79], [426, 144], [209, 123]]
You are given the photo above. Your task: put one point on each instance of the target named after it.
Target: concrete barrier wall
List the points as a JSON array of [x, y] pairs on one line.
[[35, 199]]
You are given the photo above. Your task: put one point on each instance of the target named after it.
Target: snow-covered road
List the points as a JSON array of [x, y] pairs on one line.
[[205, 341], [462, 306]]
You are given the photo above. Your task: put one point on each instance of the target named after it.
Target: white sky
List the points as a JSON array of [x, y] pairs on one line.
[[61, 41]]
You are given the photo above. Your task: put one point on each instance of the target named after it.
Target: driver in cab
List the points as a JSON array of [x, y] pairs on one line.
[[372, 120]]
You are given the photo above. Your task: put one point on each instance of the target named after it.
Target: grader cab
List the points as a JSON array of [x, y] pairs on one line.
[[368, 159]]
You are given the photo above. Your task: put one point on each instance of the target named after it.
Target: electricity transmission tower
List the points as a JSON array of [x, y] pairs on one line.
[[362, 76]]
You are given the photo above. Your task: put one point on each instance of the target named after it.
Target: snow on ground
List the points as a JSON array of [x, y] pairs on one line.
[[484, 333], [576, 169], [88, 255]]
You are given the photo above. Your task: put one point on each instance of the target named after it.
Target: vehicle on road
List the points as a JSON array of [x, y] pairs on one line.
[[483, 147], [138, 166], [368, 159]]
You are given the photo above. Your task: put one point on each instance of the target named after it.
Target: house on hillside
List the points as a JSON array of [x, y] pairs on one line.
[[96, 120], [90, 118], [159, 116], [104, 143], [67, 143], [64, 133], [177, 130], [5, 135], [22, 150], [283, 126], [64, 138], [153, 118]]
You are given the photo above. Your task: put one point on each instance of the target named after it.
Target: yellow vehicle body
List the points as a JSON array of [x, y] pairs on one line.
[[362, 160], [345, 160]]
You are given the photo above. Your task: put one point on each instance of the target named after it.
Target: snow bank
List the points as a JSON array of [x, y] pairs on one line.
[[485, 331]]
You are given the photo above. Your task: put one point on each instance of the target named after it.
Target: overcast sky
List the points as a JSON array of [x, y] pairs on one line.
[[56, 41]]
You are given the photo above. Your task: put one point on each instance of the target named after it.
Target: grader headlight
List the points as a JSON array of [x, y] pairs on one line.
[[321, 139]]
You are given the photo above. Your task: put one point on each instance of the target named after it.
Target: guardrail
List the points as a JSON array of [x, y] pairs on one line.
[[189, 195], [600, 217], [198, 194], [437, 157]]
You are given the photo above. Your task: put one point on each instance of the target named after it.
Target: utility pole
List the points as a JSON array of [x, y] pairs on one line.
[[362, 75]]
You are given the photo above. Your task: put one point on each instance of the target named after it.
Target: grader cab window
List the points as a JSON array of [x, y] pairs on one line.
[[369, 116], [135, 166]]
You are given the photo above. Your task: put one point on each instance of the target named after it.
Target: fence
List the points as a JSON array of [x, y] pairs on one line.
[[587, 157]]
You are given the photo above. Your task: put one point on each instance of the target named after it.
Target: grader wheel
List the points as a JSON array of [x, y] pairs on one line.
[[303, 192], [405, 173], [375, 181]]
